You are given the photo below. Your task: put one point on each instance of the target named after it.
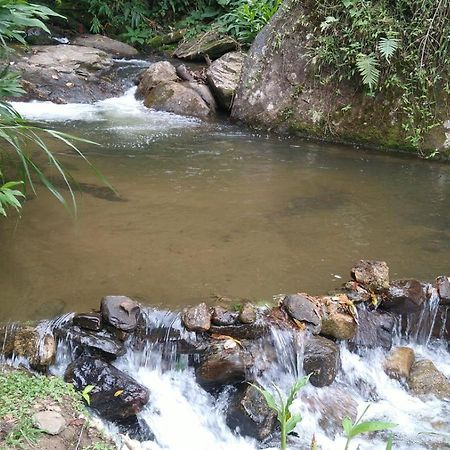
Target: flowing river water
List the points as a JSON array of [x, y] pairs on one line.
[[210, 209]]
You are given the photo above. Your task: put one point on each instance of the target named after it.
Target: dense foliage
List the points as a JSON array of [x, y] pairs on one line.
[[396, 46]]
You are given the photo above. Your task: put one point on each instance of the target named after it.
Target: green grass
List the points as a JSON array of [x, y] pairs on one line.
[[19, 392]]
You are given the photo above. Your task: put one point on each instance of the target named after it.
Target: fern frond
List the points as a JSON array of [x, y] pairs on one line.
[[368, 68], [387, 47]]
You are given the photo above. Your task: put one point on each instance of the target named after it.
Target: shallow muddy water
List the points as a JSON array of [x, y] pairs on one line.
[[212, 209]]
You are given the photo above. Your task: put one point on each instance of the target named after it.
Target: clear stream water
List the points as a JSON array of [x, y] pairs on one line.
[[210, 209]]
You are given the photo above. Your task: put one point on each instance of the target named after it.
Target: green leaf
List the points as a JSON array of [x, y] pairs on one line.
[[387, 47], [292, 422], [369, 426], [295, 388], [368, 68], [347, 425]]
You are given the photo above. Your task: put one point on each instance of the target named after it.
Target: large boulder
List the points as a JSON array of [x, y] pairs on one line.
[[120, 312], [279, 90], [115, 395], [321, 360], [426, 379], [108, 45], [223, 76], [375, 329], [159, 72], [302, 309], [404, 297], [67, 74], [337, 320], [398, 363], [177, 98], [250, 415], [210, 45]]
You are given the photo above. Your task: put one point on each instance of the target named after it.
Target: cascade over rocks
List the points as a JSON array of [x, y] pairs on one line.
[[322, 360], [249, 412], [115, 396], [279, 90]]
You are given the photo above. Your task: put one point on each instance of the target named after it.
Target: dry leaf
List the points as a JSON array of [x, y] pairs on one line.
[[119, 392]]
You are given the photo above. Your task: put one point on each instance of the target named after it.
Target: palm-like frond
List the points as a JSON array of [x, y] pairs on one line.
[[387, 47], [368, 68]]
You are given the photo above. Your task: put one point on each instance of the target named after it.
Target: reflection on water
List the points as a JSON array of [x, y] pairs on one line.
[[213, 210]]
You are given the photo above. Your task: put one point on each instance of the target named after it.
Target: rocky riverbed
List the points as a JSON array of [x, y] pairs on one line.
[[227, 348]]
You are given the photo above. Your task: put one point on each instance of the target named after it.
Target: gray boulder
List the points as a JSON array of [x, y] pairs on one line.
[[50, 422], [221, 316], [120, 312], [302, 308], [108, 45], [177, 98], [223, 76], [197, 318]]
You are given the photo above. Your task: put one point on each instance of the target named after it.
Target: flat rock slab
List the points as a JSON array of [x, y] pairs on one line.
[[106, 44], [50, 422]]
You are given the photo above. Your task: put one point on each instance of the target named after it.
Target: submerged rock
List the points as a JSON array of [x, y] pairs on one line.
[[250, 415], [322, 360], [108, 45], [67, 73], [404, 297], [223, 77], [115, 395], [121, 312], [426, 379], [373, 275], [159, 72], [399, 362], [197, 318], [209, 44], [303, 309], [177, 98]]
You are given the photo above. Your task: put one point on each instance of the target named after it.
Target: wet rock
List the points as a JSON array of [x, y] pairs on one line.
[[374, 330], [426, 379], [221, 316], [50, 422], [67, 73], [441, 326], [88, 321], [115, 396], [443, 287], [28, 342], [374, 275], [248, 313], [222, 365], [337, 321], [101, 344], [38, 36], [302, 308], [249, 413], [108, 45], [404, 297], [184, 73], [357, 293], [167, 38], [197, 318], [399, 362], [120, 312], [208, 44], [250, 331], [322, 360], [159, 72], [178, 99], [223, 77]]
